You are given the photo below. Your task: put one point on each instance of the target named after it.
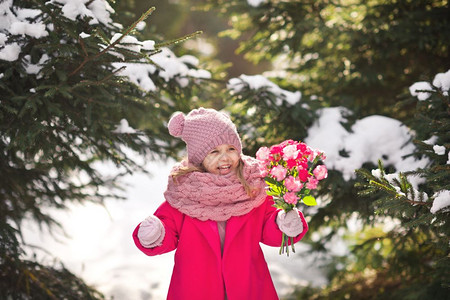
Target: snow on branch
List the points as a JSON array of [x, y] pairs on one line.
[[368, 140], [170, 67], [15, 21], [256, 82], [423, 89]]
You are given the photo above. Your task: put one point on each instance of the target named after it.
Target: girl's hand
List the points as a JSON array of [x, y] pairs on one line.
[[151, 232], [290, 223]]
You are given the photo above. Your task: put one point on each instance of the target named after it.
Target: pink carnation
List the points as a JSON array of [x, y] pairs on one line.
[[263, 153], [276, 149], [275, 152], [304, 150], [293, 184], [320, 154], [312, 183], [287, 142], [290, 198], [279, 172], [302, 164], [309, 153], [290, 163], [290, 152], [303, 174], [314, 154], [320, 172], [302, 147]]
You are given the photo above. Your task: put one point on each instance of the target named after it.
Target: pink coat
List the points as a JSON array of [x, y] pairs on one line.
[[202, 272]]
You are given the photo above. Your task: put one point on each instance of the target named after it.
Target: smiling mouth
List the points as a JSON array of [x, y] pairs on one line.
[[224, 167]]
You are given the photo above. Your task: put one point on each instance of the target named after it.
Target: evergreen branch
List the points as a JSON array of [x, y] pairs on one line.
[[112, 45], [421, 219], [389, 189], [417, 202], [35, 279], [98, 82], [127, 31], [179, 40], [441, 168], [85, 61], [128, 52], [83, 47], [383, 187], [145, 56]]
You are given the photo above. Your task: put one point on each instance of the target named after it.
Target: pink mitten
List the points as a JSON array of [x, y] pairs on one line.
[[151, 232], [290, 223]]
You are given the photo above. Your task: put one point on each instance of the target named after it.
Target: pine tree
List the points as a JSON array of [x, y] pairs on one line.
[[419, 244], [362, 56], [67, 102]]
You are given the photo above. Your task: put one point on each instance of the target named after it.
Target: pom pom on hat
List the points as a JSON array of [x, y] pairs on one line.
[[202, 130], [176, 124]]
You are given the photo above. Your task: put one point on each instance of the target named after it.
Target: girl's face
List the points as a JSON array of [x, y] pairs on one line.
[[222, 160]]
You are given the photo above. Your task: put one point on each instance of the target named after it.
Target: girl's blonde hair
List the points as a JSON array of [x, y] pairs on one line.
[[239, 173]]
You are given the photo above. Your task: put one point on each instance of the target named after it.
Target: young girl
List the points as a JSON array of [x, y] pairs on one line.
[[215, 215]]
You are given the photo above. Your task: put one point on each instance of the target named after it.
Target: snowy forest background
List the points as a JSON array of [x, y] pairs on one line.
[[86, 89]]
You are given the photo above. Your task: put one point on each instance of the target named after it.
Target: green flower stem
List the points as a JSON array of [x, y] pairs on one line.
[[282, 244], [287, 246]]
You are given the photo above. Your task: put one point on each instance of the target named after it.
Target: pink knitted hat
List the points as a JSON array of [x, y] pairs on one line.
[[202, 130]]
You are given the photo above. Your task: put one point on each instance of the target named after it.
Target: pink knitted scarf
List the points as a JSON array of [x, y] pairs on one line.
[[207, 196]]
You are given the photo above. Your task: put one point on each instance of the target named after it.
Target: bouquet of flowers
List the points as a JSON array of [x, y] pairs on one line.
[[291, 170]]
